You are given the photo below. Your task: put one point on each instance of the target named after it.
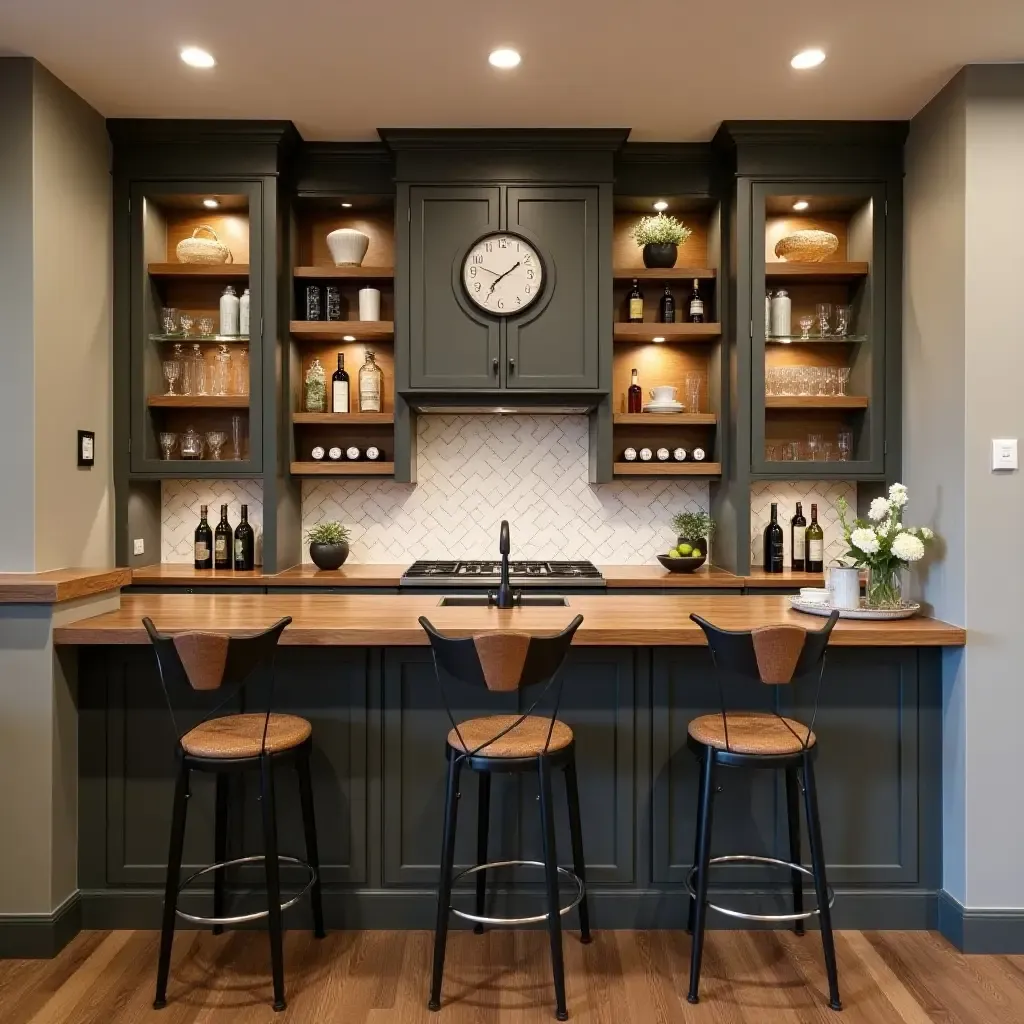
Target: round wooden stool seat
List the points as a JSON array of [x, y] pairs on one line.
[[752, 733], [242, 735], [527, 739]]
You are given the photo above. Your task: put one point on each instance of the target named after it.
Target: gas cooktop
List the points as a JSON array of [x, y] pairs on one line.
[[488, 573]]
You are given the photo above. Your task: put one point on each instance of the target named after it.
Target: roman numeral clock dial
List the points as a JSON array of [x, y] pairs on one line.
[[503, 274]]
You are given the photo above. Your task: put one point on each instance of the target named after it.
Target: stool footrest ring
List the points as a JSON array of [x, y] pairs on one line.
[[517, 921], [244, 918], [743, 858]]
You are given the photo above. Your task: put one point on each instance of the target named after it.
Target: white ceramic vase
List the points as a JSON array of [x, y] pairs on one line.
[[348, 246]]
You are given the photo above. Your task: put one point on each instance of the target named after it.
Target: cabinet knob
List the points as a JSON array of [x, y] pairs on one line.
[[511, 364], [494, 364]]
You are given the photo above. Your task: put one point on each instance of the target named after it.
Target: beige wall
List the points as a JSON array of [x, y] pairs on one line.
[[72, 257]]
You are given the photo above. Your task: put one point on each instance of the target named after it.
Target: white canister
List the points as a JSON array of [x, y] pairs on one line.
[[369, 304], [229, 307], [243, 313], [782, 314], [844, 586]]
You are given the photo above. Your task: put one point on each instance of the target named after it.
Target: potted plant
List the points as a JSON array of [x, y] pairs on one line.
[[694, 529], [660, 237], [328, 544], [884, 546]]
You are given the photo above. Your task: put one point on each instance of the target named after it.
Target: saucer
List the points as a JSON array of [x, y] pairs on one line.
[[664, 407]]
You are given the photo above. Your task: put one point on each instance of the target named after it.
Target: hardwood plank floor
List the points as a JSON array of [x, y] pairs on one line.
[[504, 978]]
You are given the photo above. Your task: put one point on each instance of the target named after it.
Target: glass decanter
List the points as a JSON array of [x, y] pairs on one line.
[[371, 385], [221, 370]]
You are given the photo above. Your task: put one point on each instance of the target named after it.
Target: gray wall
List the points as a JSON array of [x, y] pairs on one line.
[[962, 387]]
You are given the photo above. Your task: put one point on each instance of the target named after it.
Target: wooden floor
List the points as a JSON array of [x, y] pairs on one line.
[[622, 978]]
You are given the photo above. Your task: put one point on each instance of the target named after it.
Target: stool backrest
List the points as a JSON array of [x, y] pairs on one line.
[[502, 661], [210, 661]]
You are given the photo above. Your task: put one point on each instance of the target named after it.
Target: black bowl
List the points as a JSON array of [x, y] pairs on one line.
[[682, 564]]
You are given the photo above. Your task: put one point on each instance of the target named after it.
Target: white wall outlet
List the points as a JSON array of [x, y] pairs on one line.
[[140, 546], [1004, 453]]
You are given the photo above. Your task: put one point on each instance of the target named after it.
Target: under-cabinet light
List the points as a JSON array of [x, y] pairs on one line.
[[661, 205], [808, 59], [347, 206], [659, 338], [801, 204], [504, 58], [196, 58], [211, 204], [348, 337]]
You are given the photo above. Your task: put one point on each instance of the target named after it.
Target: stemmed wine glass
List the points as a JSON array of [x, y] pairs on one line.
[[813, 445], [844, 443], [167, 443], [172, 371], [693, 383], [215, 439], [236, 436], [806, 323], [824, 311], [844, 379]]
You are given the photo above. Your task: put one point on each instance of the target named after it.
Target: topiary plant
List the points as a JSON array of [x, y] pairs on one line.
[[693, 525]]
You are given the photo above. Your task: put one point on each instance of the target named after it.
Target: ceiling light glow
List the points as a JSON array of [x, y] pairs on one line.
[[801, 204], [808, 59], [504, 58], [659, 338], [211, 204], [348, 337], [661, 205], [196, 58]]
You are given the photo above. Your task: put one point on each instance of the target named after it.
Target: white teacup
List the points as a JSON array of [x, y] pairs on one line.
[[664, 393]]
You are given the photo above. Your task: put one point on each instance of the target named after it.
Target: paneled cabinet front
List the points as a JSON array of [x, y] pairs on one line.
[[553, 344]]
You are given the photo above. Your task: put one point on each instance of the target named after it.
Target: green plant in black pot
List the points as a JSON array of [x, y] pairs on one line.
[[328, 544], [694, 530], [660, 238]]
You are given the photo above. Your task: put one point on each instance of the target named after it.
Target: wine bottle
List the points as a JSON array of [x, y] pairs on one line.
[[352, 454], [815, 544], [629, 455], [696, 304], [203, 550], [374, 454], [698, 455], [772, 539], [667, 307], [645, 454], [222, 538], [662, 454], [636, 304], [635, 397], [797, 531], [679, 454], [245, 543], [334, 454], [339, 386], [371, 384]]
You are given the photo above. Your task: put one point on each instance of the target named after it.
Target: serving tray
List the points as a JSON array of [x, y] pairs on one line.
[[905, 610]]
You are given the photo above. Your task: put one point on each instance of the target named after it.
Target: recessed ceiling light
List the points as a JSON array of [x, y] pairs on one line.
[[504, 58], [211, 204], [801, 204], [661, 205], [348, 337], [347, 205], [808, 59], [659, 338], [196, 58]]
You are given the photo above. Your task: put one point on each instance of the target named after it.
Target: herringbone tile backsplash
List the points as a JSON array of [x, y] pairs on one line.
[[180, 501], [474, 471]]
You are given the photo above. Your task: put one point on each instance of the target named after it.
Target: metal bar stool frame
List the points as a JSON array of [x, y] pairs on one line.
[[548, 653], [244, 657], [730, 652]]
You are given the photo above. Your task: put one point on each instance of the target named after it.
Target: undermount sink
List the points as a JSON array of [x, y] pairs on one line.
[[521, 600]]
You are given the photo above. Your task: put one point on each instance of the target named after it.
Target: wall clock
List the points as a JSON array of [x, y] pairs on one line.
[[503, 274]]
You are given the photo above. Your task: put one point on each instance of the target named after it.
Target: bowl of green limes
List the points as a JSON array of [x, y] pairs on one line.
[[686, 556]]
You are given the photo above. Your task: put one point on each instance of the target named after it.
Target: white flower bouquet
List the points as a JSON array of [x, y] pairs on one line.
[[883, 545]]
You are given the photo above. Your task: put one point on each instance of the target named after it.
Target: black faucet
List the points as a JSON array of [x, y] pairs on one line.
[[505, 598]]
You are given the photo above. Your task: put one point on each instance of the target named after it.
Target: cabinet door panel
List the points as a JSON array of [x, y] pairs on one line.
[[450, 347], [555, 345]]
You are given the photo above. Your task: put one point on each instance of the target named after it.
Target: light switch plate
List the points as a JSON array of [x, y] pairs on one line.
[[1004, 453], [140, 546]]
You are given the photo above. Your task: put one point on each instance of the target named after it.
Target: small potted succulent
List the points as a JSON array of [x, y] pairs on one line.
[[660, 237], [328, 544], [694, 531]]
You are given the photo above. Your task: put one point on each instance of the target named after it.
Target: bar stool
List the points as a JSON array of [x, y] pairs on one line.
[[773, 655], [504, 662], [234, 743]]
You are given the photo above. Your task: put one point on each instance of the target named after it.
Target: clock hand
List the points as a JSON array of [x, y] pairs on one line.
[[507, 272]]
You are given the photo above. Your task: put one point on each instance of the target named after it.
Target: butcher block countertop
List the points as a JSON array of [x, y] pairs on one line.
[[59, 585], [385, 620]]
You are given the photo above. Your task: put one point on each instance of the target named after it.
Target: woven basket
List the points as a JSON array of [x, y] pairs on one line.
[[807, 246], [203, 250]]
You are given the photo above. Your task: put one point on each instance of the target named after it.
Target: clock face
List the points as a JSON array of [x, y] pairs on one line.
[[503, 274]]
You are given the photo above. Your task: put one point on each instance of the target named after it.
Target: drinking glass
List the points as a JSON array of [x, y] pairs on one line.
[[168, 442], [197, 363], [831, 383], [215, 439], [169, 320], [237, 437], [844, 379], [693, 382], [187, 321], [205, 325], [803, 380], [841, 320], [770, 452], [806, 323], [817, 374], [172, 371], [221, 363], [814, 446], [844, 443], [790, 451], [770, 380], [824, 311], [239, 372], [828, 452]]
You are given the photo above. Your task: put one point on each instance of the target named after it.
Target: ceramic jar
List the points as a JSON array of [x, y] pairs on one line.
[[348, 246]]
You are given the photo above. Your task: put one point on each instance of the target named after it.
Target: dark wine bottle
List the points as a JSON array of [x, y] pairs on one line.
[[203, 551], [374, 454], [339, 386], [815, 544], [696, 304], [773, 542], [635, 397], [222, 541], [353, 454], [245, 543], [667, 307], [797, 530], [636, 304]]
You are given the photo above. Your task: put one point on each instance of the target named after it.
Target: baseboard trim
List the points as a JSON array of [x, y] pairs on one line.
[[980, 931], [40, 936]]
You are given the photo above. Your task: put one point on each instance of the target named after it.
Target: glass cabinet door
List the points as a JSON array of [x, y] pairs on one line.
[[818, 366], [196, 328]]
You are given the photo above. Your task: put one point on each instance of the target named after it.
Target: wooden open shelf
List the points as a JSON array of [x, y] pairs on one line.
[[349, 419], [347, 273], [674, 419], [823, 272], [221, 271], [664, 273], [670, 332], [336, 330], [198, 401], [667, 469], [328, 468], [816, 402]]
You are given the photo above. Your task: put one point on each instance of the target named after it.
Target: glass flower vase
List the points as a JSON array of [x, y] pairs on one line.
[[884, 588]]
